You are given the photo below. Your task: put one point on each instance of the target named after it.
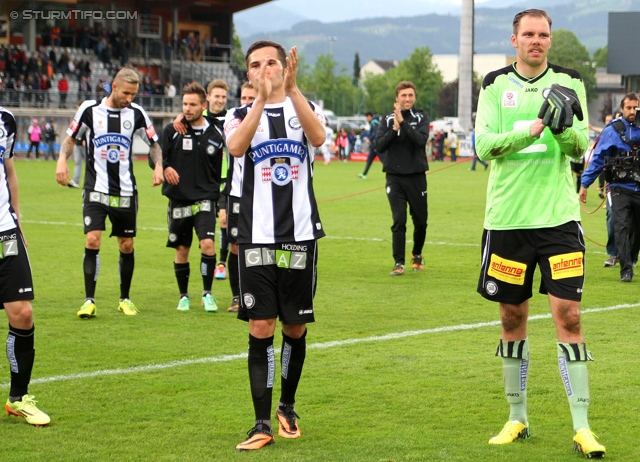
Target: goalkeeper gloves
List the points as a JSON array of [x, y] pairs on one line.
[[559, 107]]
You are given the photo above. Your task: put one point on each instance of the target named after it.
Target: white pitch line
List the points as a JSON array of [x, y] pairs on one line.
[[343, 238], [336, 343], [77, 224]]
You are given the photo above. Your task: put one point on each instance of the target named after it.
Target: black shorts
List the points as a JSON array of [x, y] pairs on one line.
[[16, 282], [509, 260], [577, 167], [184, 217], [278, 280], [233, 214], [122, 212]]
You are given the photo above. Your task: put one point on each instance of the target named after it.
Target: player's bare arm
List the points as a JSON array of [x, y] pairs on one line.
[[261, 81], [62, 169], [155, 152], [12, 180], [310, 123]]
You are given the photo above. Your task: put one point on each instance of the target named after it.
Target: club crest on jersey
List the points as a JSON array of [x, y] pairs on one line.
[[113, 146], [280, 173], [127, 125], [231, 125], [294, 123], [278, 148], [510, 99], [2, 133]]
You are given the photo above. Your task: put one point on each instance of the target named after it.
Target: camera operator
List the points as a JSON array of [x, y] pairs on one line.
[[618, 154]]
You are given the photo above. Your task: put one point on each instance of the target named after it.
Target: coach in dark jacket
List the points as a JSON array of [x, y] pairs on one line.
[[402, 137]]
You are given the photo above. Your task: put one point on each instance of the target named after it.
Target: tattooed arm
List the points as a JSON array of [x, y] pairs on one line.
[[155, 153], [62, 170]]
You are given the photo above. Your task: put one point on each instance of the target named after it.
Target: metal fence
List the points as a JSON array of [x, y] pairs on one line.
[[55, 100]]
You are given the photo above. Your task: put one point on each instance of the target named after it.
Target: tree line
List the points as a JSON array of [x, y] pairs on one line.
[[345, 94]]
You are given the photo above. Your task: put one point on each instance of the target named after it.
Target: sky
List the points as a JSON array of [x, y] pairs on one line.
[[344, 10]]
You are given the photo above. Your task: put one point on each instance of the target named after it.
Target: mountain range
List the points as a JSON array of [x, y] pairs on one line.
[[395, 38]]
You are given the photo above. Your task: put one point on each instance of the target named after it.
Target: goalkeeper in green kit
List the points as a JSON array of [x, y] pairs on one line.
[[531, 121]]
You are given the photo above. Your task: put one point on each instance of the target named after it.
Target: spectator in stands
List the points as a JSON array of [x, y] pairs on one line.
[[193, 45], [206, 46], [106, 85], [158, 95], [170, 93], [184, 48], [17, 90], [55, 36], [43, 58], [84, 90], [30, 86], [53, 58], [107, 54], [4, 55], [146, 91], [124, 47], [49, 71], [214, 47], [32, 65], [3, 92], [63, 63], [100, 47], [99, 90], [63, 89], [43, 94], [34, 138], [85, 68], [84, 39], [19, 60]]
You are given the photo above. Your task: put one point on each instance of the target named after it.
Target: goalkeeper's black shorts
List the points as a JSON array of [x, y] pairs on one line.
[[509, 259]]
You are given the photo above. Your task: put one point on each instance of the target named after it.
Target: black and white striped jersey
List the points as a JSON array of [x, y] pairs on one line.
[[275, 178], [233, 183], [109, 134], [8, 219]]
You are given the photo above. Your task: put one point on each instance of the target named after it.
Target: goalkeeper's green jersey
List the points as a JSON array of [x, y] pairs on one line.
[[530, 184]]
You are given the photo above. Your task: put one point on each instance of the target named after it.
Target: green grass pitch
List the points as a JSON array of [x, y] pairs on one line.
[[398, 368]]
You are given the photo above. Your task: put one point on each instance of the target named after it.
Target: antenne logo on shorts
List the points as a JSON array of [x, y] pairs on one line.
[[567, 265], [505, 270], [510, 99]]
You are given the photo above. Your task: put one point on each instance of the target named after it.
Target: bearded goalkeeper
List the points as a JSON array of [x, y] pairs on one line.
[[530, 123]]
